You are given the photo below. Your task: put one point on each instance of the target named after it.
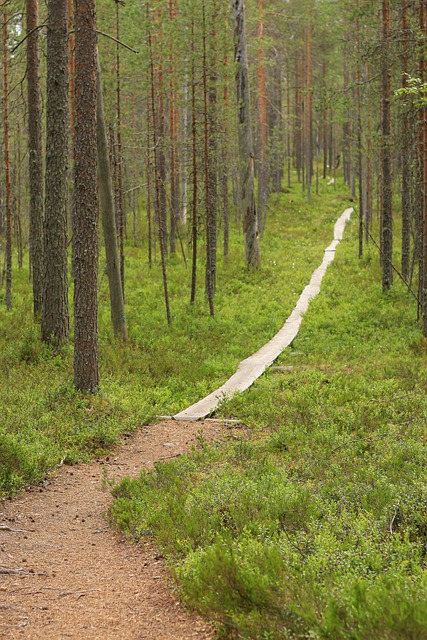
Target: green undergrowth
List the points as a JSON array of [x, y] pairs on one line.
[[312, 523], [161, 369]]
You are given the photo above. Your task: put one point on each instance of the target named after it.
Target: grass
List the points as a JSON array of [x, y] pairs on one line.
[[162, 369], [314, 523]]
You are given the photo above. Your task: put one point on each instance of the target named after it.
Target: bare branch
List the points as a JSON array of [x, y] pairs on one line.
[[106, 35], [40, 26]]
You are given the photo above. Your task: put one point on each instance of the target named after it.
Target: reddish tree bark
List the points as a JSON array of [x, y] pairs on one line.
[[7, 161]]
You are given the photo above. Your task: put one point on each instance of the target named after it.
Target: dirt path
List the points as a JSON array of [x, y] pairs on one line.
[[76, 578]]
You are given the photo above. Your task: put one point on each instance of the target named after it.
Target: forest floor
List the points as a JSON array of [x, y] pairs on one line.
[[66, 574]]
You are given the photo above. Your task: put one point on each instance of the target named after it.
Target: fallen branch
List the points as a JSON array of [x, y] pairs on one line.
[[21, 572], [5, 527]]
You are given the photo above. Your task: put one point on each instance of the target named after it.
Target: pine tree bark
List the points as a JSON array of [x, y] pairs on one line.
[[55, 318], [386, 209], [7, 160], [35, 161], [406, 156], [117, 308], [159, 177], [173, 125], [262, 119], [194, 158], [210, 176], [121, 214], [423, 270], [309, 109], [85, 218], [246, 151], [359, 139]]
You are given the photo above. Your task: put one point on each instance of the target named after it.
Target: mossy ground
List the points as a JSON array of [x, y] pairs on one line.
[[162, 369], [315, 524]]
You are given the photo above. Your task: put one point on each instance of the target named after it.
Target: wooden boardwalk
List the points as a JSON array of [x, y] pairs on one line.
[[253, 367]]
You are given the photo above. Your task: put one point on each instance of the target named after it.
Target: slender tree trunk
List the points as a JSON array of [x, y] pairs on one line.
[[423, 25], [185, 159], [246, 152], [369, 198], [262, 119], [149, 174], [117, 308], [7, 160], [225, 169], [288, 123], [55, 319], [173, 125], [194, 153], [386, 211], [119, 155], [309, 109], [159, 182], [347, 123], [359, 139], [406, 156], [325, 125], [35, 162], [298, 124], [85, 218]]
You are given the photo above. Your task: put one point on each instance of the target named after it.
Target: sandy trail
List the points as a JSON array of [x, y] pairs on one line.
[[76, 577]]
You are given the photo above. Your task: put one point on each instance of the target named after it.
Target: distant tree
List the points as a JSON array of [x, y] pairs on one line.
[[108, 219], [7, 159], [246, 201], [387, 193]]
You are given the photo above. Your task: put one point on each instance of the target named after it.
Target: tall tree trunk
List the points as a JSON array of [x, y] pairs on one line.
[[406, 156], [309, 109], [423, 26], [369, 198], [386, 210], [55, 318], [325, 125], [18, 199], [120, 198], [85, 218], [225, 170], [72, 65], [298, 127], [117, 308], [35, 162], [194, 156], [262, 119], [359, 139], [7, 160], [149, 175], [207, 160], [159, 175], [246, 151], [173, 125]]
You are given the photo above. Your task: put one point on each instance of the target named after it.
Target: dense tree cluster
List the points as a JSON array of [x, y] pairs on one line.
[[198, 111]]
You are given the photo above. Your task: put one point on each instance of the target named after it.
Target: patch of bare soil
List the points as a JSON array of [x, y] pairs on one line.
[[65, 574]]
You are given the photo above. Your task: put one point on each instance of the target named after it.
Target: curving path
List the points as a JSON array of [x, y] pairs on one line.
[[65, 574], [254, 366]]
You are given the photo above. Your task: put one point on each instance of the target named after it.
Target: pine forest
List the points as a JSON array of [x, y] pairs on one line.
[[213, 319]]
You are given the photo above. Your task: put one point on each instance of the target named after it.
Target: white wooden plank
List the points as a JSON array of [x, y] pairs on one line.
[[253, 367]]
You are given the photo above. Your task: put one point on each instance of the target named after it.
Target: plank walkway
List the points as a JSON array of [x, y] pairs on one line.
[[253, 367]]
